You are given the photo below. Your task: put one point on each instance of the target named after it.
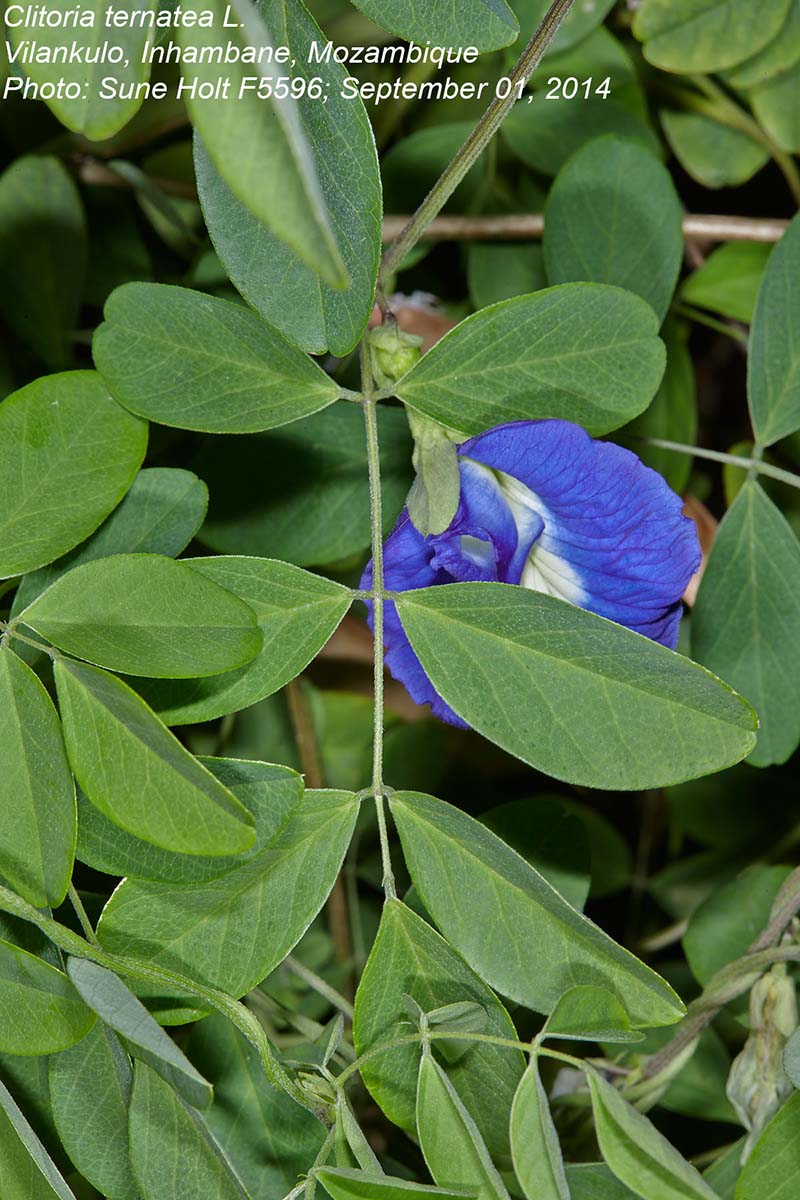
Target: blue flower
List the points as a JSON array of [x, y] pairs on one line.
[[545, 506]]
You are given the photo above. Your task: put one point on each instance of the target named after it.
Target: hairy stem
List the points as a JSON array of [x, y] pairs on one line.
[[376, 516], [754, 464], [477, 141], [733, 980], [81, 914], [237, 1014]]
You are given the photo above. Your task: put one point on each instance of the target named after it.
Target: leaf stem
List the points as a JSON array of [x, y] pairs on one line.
[[319, 985], [81, 914], [477, 141], [703, 318], [237, 1014], [747, 464], [369, 405], [733, 979], [9, 630], [728, 112]]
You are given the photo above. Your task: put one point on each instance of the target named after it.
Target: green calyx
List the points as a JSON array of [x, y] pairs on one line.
[[393, 353]]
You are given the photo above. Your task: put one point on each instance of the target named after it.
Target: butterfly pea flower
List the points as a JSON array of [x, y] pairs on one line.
[[545, 506]]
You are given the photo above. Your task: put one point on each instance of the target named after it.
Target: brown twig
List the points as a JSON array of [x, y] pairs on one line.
[[311, 765], [524, 227]]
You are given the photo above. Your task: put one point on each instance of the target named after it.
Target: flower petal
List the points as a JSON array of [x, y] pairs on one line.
[[613, 529], [407, 558]]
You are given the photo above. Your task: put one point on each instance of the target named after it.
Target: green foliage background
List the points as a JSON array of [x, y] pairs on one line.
[[266, 928]]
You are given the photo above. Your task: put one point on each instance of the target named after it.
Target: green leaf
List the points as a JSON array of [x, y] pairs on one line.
[[613, 216], [520, 666], [779, 55], [637, 1153], [410, 957], [37, 793], [296, 612], [791, 1058], [725, 1170], [90, 1089], [301, 494], [485, 24], [548, 837], [27, 1170], [150, 785], [729, 279], [90, 113], [41, 1011], [547, 132], [611, 858], [454, 1150], [535, 1147], [147, 614], [160, 514], [351, 1144], [117, 1006], [259, 146], [196, 362], [775, 105], [343, 1183], [697, 1090], [774, 362], [714, 154], [543, 356], [173, 1153], [773, 1168], [590, 1014], [270, 901], [706, 35], [450, 855], [594, 1181], [42, 255], [268, 792], [271, 276], [747, 614], [580, 20], [68, 454], [264, 1131], [413, 164], [500, 271], [732, 917], [671, 416]]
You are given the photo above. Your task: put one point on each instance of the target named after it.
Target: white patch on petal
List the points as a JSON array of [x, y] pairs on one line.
[[477, 551], [544, 570]]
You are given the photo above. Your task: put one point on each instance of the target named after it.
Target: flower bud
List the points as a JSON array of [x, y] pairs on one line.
[[392, 352], [757, 1085]]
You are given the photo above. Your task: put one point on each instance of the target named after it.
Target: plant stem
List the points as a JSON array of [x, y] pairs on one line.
[[477, 141], [525, 227], [734, 979], [81, 914], [9, 630], [721, 106], [376, 516], [319, 985], [703, 318], [747, 464], [239, 1016]]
